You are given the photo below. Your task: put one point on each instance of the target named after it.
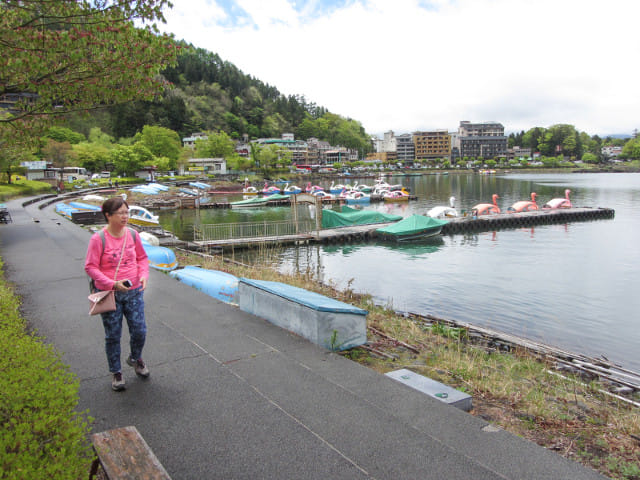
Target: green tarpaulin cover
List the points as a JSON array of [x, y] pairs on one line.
[[251, 201], [277, 196], [412, 225], [351, 216]]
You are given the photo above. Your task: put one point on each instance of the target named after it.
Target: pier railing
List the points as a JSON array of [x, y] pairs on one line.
[[228, 231]]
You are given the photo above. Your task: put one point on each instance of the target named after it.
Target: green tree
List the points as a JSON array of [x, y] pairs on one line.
[[631, 149], [10, 158], [161, 142], [64, 56], [217, 145], [97, 136], [125, 160], [239, 163], [63, 134], [92, 156], [589, 158], [58, 153]]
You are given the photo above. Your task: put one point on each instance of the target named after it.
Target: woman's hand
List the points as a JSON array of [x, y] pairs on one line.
[[119, 286], [143, 282]]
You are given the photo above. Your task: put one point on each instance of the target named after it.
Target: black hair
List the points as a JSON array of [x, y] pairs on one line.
[[112, 205]]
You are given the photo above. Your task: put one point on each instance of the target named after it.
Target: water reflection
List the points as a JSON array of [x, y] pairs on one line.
[[573, 285]]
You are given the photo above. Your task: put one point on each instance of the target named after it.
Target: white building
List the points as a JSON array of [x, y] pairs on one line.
[[386, 144], [204, 166]]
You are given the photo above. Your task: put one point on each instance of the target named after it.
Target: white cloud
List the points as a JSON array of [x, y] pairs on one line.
[[407, 65]]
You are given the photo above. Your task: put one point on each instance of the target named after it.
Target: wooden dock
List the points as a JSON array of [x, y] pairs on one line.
[[462, 225]]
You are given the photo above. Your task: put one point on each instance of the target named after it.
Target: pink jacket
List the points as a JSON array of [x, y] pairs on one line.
[[101, 265]]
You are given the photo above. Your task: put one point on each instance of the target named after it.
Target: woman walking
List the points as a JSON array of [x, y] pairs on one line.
[[117, 261]]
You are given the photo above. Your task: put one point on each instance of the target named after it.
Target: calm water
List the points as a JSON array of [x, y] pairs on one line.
[[574, 285]]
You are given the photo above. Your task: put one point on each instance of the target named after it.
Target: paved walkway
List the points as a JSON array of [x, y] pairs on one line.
[[233, 397]]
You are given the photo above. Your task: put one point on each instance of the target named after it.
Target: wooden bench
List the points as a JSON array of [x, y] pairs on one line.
[[123, 454]]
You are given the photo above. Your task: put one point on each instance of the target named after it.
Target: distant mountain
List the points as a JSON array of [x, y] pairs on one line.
[[211, 94], [616, 135]]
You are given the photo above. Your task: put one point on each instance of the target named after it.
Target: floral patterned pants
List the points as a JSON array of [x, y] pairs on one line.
[[129, 304]]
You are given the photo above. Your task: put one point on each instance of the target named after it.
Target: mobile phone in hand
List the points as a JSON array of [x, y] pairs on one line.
[[127, 283]]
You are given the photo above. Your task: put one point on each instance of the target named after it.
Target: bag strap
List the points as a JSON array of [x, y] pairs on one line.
[[115, 275], [92, 286]]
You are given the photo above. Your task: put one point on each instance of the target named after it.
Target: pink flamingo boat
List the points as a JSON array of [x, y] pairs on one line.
[[524, 205], [270, 190], [396, 196], [487, 208], [313, 189], [559, 202]]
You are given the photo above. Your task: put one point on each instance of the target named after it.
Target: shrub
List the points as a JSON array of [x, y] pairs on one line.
[[42, 434]]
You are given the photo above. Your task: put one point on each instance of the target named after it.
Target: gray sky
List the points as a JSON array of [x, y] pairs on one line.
[[409, 65]]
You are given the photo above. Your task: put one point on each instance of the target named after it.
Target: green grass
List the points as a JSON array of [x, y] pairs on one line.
[[23, 188], [43, 436]]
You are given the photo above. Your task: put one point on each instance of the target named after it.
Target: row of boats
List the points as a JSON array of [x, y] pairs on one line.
[[356, 193], [160, 258], [418, 226]]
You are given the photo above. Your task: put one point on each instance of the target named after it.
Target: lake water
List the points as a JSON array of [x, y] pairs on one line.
[[573, 285]]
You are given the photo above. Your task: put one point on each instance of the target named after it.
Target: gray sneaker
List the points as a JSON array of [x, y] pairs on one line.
[[117, 382], [140, 368]]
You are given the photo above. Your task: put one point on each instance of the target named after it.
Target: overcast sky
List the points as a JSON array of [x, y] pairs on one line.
[[411, 65]]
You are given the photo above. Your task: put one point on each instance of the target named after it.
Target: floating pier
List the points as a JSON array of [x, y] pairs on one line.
[[525, 219], [461, 225]]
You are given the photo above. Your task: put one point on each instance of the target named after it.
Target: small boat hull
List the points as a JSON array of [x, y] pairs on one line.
[[219, 285], [160, 258], [142, 217]]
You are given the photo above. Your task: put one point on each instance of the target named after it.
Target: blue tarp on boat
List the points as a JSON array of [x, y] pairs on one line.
[[309, 299], [85, 206], [219, 285]]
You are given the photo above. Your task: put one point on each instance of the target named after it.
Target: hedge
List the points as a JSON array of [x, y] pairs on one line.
[[41, 433]]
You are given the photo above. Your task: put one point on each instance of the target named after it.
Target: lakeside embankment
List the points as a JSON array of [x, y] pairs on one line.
[[537, 423], [515, 388]]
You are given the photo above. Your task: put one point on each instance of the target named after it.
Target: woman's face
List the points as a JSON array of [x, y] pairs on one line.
[[120, 217]]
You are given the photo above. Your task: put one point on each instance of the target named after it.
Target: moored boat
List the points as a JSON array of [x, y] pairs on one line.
[[524, 205], [291, 190], [326, 197], [219, 285], [270, 190], [559, 202], [444, 212], [251, 202], [160, 258], [142, 217], [355, 196], [396, 196], [415, 227], [486, 208]]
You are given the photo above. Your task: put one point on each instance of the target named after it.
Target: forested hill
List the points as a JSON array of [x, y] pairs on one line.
[[210, 94]]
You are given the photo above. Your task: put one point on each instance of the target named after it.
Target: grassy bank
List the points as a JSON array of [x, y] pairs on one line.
[[42, 434], [514, 390], [22, 188]]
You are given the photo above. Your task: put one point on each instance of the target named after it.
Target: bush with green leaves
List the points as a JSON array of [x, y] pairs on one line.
[[42, 434]]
